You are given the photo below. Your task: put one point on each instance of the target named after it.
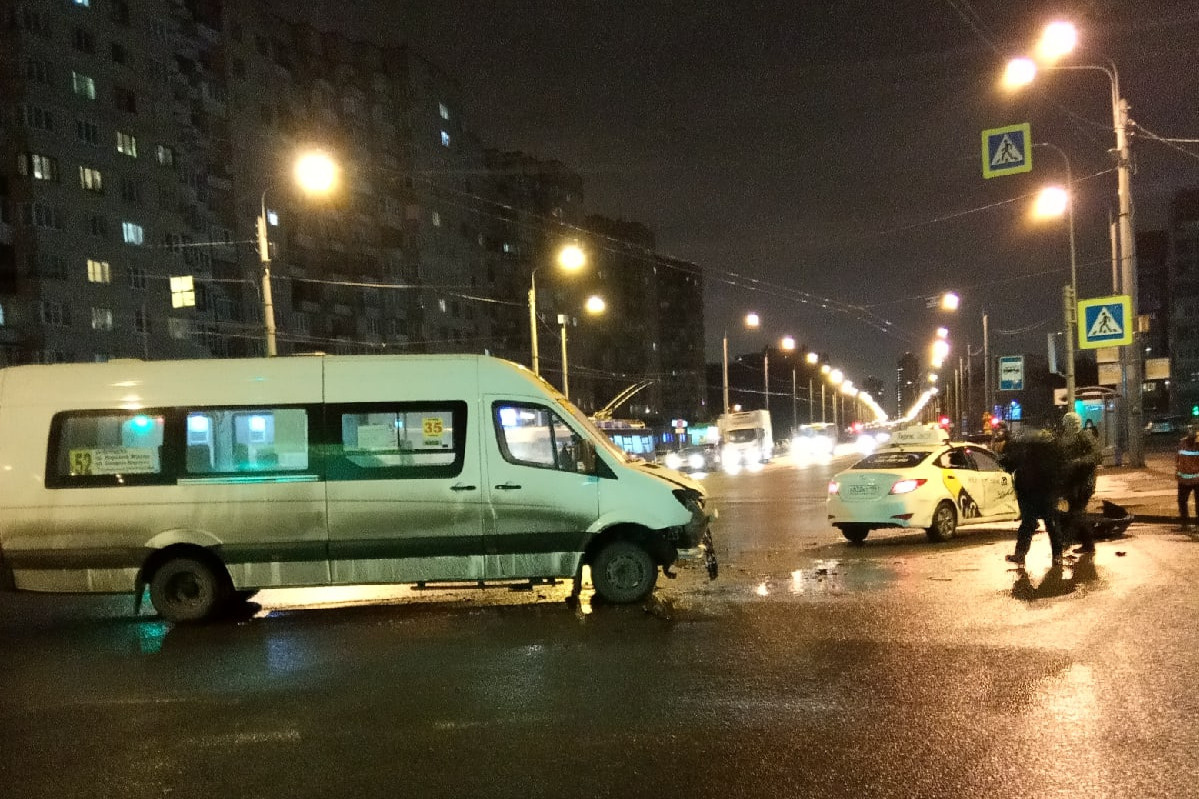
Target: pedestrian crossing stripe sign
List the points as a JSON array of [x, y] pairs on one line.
[[1105, 322], [1007, 151]]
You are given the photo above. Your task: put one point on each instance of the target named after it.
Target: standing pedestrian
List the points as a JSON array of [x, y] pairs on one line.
[[1036, 463], [1186, 472], [1090, 427], [1081, 457]]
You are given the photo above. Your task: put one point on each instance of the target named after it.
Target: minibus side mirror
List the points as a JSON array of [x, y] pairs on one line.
[[585, 455]]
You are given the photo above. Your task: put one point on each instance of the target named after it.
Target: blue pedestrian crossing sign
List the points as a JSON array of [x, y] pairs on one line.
[[1105, 322], [1007, 151]]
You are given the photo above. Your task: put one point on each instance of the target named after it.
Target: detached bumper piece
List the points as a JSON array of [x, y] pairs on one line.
[[709, 550]]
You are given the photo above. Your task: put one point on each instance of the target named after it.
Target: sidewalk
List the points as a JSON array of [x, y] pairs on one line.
[[1150, 494]]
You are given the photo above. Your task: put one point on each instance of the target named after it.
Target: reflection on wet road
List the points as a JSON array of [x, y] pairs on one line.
[[809, 668]]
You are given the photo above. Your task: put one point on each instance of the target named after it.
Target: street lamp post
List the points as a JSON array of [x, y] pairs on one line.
[[1069, 293], [571, 258], [1022, 71], [813, 359], [268, 304], [752, 321], [316, 173], [594, 305]]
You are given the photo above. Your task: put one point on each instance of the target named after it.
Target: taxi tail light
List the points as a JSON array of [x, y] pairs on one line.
[[834, 487], [908, 486]]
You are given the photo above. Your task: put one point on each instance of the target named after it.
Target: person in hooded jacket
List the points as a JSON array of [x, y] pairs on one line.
[[1081, 459], [1036, 461]]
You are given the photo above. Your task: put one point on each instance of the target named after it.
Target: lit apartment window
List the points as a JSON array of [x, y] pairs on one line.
[[98, 271], [83, 85], [101, 319], [445, 139], [436, 219], [126, 144], [165, 155], [444, 110], [133, 233], [40, 167], [1, 316], [91, 180], [84, 3]]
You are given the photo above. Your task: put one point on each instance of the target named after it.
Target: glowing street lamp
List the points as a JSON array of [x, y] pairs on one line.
[[752, 322], [571, 258], [316, 174], [594, 305], [1060, 38]]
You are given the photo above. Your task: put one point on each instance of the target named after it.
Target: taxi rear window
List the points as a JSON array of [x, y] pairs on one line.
[[891, 460]]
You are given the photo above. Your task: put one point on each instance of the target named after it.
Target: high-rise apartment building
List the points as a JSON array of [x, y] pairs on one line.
[[141, 141]]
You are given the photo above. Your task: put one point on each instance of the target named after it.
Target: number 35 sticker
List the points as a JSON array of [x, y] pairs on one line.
[[433, 428]]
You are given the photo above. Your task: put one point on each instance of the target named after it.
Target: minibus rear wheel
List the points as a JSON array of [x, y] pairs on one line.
[[624, 572], [189, 589]]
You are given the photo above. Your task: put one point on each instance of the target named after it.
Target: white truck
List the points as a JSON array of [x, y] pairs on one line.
[[746, 438]]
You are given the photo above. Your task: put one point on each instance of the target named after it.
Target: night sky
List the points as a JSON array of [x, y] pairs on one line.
[[810, 154]]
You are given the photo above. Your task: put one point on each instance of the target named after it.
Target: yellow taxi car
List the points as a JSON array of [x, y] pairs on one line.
[[921, 479]]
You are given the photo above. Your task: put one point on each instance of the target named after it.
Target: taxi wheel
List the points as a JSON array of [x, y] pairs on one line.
[[854, 533], [945, 522]]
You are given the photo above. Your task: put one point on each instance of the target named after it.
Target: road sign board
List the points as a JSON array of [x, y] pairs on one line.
[[1105, 322], [1011, 372], [1007, 151]]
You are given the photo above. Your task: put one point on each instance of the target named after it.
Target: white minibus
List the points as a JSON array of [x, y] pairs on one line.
[[207, 480]]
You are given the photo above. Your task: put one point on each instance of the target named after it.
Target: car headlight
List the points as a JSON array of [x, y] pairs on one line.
[[696, 461]]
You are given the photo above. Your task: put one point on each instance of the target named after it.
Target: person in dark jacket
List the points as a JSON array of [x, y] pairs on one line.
[[1081, 456], [1186, 472], [1036, 462]]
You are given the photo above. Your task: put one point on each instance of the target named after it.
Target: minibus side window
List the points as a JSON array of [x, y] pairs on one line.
[[396, 440], [246, 441], [106, 448], [533, 435]]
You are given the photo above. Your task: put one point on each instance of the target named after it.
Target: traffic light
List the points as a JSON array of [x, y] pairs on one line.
[[945, 421], [1195, 410]]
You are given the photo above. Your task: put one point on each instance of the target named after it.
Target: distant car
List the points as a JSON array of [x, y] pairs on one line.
[[921, 479], [702, 458], [1165, 425]]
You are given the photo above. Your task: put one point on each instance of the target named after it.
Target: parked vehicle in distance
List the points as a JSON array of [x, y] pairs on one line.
[[1166, 425], [814, 442], [210, 479], [921, 479], [699, 458], [746, 438]]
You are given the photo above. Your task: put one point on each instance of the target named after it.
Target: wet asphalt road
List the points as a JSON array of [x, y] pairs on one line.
[[810, 668]]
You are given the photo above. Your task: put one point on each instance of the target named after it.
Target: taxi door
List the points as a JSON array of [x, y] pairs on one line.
[[999, 498], [964, 483]]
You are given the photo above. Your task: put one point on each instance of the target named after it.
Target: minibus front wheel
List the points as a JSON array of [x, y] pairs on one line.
[[624, 572], [188, 588]]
